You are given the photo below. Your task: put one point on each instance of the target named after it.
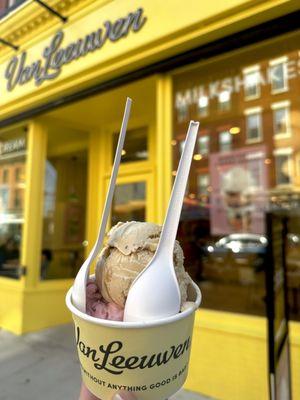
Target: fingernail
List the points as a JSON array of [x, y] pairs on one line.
[[117, 397]]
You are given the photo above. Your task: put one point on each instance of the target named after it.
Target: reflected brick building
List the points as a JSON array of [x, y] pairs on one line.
[[241, 104]]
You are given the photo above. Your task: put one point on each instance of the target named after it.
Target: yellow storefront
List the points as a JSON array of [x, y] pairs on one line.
[[62, 94]]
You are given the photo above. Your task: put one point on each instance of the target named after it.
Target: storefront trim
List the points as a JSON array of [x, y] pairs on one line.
[[232, 42]]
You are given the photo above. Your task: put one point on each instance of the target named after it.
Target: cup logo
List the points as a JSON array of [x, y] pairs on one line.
[[110, 358]]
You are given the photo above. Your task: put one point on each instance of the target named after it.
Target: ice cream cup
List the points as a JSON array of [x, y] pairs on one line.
[[148, 359]]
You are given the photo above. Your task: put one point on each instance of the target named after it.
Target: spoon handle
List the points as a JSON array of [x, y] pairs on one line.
[[112, 183], [170, 226], [83, 273]]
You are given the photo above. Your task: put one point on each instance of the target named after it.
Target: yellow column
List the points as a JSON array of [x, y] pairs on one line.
[[163, 144], [33, 212]]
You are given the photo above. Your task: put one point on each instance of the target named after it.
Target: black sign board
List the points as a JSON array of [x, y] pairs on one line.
[[277, 310]]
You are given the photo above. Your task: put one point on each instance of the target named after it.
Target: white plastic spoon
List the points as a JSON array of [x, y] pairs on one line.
[[155, 294], [79, 287]]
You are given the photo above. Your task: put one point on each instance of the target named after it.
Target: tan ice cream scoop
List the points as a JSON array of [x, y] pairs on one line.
[[129, 250]]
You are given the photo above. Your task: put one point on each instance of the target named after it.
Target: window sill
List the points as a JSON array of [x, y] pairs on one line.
[[284, 186], [253, 141], [280, 136], [249, 98], [278, 91]]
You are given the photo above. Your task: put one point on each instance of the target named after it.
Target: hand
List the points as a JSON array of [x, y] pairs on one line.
[[85, 394]]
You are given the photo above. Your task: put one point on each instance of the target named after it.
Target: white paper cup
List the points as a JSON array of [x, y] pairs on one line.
[[148, 359]]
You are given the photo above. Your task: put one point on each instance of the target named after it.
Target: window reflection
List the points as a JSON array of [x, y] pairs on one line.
[[253, 125], [225, 140], [252, 82], [64, 215], [281, 119], [129, 203], [135, 146], [203, 142], [203, 103], [278, 75], [283, 166], [246, 163], [12, 188]]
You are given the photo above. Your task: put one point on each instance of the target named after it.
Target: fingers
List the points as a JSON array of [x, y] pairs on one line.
[[85, 394], [124, 396]]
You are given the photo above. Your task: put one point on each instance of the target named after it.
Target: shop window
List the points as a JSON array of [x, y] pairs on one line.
[[278, 75], [64, 212], [253, 125], [252, 82], [225, 141], [203, 145], [224, 99], [281, 119], [12, 157], [283, 165], [129, 203], [135, 146], [182, 102], [203, 103], [246, 172]]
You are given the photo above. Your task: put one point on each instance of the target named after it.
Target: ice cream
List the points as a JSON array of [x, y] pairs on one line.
[[129, 249]]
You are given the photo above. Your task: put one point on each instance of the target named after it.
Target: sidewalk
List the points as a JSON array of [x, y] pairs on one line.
[[44, 366]]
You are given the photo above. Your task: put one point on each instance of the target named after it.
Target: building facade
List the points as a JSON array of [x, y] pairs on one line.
[[234, 66]]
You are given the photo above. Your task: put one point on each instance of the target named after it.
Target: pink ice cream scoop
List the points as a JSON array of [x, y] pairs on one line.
[[97, 307]]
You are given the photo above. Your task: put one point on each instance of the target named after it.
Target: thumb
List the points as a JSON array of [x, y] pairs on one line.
[[124, 396]]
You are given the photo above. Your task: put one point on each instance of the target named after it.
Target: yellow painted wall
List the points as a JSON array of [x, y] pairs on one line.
[[11, 305], [295, 358], [44, 306], [229, 357], [163, 35]]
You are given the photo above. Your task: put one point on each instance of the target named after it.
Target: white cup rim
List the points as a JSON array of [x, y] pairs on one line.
[[127, 325]]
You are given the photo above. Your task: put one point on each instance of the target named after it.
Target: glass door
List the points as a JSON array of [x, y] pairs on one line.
[[64, 207], [133, 193]]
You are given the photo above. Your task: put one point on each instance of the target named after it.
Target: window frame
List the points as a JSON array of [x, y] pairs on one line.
[[224, 106], [254, 111], [207, 141], [199, 176], [220, 147], [247, 71], [284, 151], [205, 109], [273, 63], [286, 104]]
